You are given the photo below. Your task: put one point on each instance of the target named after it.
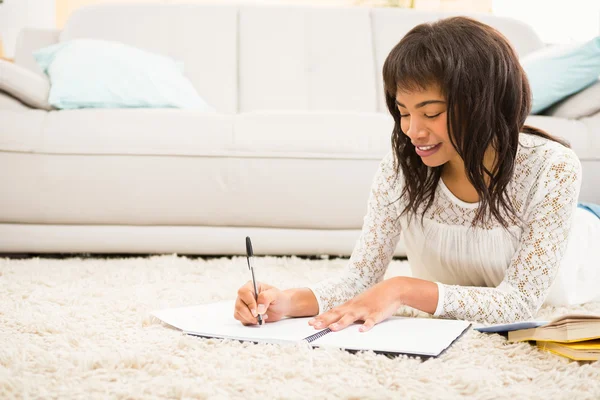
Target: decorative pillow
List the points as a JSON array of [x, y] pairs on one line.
[[24, 85], [557, 72], [92, 73], [581, 104]]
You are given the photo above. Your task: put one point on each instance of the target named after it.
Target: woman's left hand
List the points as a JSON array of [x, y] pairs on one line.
[[372, 306]]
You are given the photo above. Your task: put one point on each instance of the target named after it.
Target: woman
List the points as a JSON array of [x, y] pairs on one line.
[[487, 205]]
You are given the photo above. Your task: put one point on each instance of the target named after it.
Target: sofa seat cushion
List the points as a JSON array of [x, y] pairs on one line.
[[117, 131], [191, 133], [21, 129], [282, 134], [337, 134]]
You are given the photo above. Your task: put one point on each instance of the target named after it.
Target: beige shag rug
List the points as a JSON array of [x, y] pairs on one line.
[[80, 328]]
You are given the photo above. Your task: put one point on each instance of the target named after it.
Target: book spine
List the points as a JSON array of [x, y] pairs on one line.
[[317, 335]]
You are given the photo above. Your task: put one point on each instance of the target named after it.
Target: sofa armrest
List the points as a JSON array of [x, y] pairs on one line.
[[25, 85]]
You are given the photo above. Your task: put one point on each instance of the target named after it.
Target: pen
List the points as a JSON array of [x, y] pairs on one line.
[[249, 256]]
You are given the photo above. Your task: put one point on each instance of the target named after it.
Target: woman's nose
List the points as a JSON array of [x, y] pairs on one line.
[[416, 131]]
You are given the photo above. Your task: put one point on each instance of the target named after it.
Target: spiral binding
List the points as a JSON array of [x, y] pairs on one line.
[[317, 335]]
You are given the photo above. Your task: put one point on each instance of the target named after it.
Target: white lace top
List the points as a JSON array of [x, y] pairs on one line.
[[485, 274]]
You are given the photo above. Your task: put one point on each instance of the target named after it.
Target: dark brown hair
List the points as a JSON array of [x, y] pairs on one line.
[[488, 99]]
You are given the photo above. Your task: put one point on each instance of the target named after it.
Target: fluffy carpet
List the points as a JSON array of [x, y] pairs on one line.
[[80, 328]]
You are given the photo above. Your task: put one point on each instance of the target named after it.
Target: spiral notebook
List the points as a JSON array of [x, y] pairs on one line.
[[424, 337]]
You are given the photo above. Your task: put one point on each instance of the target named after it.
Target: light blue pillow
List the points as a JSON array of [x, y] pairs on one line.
[[92, 73], [557, 72]]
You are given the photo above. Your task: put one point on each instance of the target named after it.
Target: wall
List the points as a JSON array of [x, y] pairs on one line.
[[556, 21], [65, 7], [17, 14]]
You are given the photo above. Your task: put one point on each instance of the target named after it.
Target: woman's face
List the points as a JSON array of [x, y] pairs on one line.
[[424, 120]]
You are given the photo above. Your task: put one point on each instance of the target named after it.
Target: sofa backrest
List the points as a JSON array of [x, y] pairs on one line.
[[244, 58], [306, 58]]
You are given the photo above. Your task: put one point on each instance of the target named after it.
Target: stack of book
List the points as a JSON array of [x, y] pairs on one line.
[[573, 336]]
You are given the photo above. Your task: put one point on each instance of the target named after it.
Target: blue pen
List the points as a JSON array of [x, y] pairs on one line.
[[249, 256]]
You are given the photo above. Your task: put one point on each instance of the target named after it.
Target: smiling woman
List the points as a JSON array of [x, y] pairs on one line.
[[486, 204], [475, 72]]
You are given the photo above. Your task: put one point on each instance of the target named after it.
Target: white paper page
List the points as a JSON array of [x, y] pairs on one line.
[[216, 320], [421, 336]]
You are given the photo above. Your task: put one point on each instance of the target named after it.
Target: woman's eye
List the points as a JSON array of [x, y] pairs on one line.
[[432, 116], [405, 115]]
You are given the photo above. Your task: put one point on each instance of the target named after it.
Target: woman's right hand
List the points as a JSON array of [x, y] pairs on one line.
[[275, 304]]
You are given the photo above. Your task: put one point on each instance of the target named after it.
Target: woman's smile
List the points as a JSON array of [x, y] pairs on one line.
[[425, 151]]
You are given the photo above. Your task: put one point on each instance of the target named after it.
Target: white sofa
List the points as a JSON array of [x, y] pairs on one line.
[[288, 159]]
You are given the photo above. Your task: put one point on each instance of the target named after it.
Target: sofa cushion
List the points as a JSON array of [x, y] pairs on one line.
[[267, 133], [292, 59], [117, 131], [186, 132], [337, 134], [22, 129], [202, 36]]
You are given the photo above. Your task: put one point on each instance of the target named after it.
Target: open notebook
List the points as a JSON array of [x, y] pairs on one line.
[[396, 335]]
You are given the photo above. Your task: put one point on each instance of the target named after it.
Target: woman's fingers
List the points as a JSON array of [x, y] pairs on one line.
[[338, 320], [343, 322], [246, 295], [240, 318], [265, 298], [334, 319], [243, 314], [372, 319], [322, 321], [369, 323]]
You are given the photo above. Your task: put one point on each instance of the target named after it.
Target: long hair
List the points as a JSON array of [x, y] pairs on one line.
[[488, 99]]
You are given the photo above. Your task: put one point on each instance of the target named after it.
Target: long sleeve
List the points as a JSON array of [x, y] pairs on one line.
[[375, 247], [535, 264]]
